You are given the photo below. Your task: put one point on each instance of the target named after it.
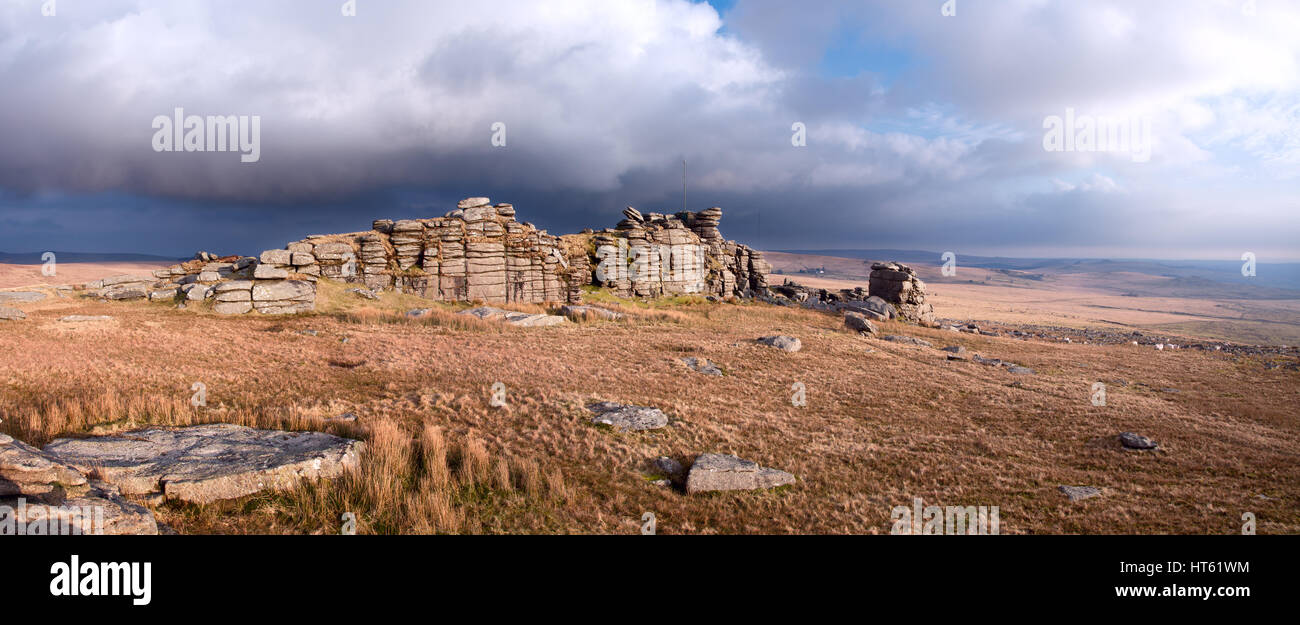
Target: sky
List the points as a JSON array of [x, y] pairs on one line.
[[947, 125]]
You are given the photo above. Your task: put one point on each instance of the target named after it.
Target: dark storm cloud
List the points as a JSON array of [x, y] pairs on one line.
[[936, 144]]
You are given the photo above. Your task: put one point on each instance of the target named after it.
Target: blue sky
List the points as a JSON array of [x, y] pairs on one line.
[[922, 131]]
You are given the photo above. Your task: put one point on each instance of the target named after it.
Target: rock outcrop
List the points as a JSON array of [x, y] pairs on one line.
[[652, 255], [897, 284], [270, 284], [478, 252]]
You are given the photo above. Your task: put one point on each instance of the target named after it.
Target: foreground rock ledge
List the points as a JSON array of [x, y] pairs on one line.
[[714, 472], [206, 463]]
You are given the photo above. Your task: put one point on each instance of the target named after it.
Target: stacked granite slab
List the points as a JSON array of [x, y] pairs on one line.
[[274, 283], [651, 254], [476, 252], [897, 284]]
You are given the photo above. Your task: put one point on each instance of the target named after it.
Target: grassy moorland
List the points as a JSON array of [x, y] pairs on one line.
[[884, 422]]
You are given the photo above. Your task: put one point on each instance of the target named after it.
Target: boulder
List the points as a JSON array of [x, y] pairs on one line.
[[1136, 441], [364, 293], [231, 308], [859, 322], [268, 272], [281, 290], [11, 314], [473, 202], [1077, 493], [720, 472], [206, 463], [234, 285], [669, 467], [277, 257], [510, 317], [623, 417], [702, 365], [25, 470], [783, 343], [100, 511], [579, 313]]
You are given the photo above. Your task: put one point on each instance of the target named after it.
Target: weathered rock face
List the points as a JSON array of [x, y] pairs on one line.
[[206, 463], [478, 252], [230, 282], [713, 472], [24, 470], [652, 255], [897, 284], [41, 495]]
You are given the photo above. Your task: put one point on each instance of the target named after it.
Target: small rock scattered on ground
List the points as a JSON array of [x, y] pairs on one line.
[[721, 472], [702, 365], [1136, 441], [1078, 493], [783, 343], [625, 418]]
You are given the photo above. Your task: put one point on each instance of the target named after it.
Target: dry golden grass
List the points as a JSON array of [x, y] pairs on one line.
[[884, 422]]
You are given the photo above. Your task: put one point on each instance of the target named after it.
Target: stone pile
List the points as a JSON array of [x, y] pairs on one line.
[[478, 252], [897, 284], [651, 255], [276, 282]]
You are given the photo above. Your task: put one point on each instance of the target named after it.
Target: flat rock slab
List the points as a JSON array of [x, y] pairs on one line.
[[908, 340], [717, 472], [1077, 493], [21, 297], [624, 418], [702, 365], [84, 318], [518, 319], [783, 343], [11, 314], [1136, 441], [100, 511], [206, 463], [27, 471], [578, 313]]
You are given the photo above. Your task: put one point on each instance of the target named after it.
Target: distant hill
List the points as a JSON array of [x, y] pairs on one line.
[[1272, 280], [34, 258]]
